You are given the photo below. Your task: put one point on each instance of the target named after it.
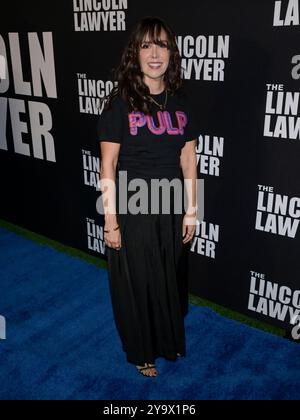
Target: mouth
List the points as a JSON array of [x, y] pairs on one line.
[[155, 65]]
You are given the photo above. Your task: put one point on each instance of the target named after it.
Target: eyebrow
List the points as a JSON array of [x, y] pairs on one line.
[[150, 42]]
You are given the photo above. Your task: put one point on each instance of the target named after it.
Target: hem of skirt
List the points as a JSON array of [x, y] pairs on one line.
[[156, 356]]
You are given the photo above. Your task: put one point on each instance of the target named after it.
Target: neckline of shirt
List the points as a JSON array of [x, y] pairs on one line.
[[158, 94]]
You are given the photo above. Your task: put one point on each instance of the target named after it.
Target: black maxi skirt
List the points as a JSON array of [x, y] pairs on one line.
[[148, 285]]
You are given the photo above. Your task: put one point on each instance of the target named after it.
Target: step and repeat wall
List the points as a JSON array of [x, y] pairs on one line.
[[241, 66]]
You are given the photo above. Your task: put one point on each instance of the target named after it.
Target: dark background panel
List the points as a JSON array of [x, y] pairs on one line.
[[51, 198]]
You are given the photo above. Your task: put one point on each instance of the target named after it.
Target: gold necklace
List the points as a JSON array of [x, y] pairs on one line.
[[162, 107]]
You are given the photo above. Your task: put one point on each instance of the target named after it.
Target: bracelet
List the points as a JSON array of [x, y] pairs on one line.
[[107, 231]]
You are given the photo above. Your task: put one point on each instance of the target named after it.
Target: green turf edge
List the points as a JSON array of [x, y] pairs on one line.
[[237, 316], [193, 299]]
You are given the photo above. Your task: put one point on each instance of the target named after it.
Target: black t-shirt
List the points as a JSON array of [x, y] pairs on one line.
[[150, 144]]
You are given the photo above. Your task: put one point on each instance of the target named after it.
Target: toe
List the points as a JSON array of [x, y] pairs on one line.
[[153, 370], [147, 372]]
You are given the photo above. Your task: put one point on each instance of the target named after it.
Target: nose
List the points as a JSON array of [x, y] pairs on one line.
[[154, 50]]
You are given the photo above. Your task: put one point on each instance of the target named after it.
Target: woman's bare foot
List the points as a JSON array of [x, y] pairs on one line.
[[147, 370]]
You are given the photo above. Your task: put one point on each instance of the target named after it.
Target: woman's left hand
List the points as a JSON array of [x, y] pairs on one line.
[[188, 227]]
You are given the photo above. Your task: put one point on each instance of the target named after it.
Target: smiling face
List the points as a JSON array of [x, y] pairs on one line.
[[154, 59]]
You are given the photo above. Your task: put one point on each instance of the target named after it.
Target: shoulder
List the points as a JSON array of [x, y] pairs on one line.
[[182, 97], [112, 103], [115, 103], [112, 112], [188, 104], [110, 121]]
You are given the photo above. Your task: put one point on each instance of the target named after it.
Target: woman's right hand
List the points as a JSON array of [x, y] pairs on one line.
[[112, 238]]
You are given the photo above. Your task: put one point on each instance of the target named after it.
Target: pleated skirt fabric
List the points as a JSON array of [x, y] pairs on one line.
[[148, 286]]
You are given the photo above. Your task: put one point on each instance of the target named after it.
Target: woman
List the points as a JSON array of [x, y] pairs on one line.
[[147, 129]]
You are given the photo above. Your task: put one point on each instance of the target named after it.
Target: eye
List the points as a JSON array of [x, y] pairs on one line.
[[163, 44], [145, 45]]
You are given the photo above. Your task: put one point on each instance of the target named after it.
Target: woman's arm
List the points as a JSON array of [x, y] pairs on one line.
[[188, 162], [109, 159]]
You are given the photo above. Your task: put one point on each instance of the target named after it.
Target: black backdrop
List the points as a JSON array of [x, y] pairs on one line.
[[242, 69]]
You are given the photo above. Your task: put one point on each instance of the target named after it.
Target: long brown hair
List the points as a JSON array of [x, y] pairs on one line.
[[128, 74]]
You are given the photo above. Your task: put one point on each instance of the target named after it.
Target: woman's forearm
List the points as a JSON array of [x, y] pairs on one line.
[[108, 188], [189, 170]]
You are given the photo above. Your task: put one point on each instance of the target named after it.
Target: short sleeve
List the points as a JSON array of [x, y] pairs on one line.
[[110, 123], [191, 129]]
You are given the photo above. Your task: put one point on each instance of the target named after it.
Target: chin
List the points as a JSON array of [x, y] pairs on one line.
[[154, 75]]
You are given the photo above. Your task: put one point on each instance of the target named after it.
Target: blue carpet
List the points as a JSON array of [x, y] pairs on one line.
[[62, 342]]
